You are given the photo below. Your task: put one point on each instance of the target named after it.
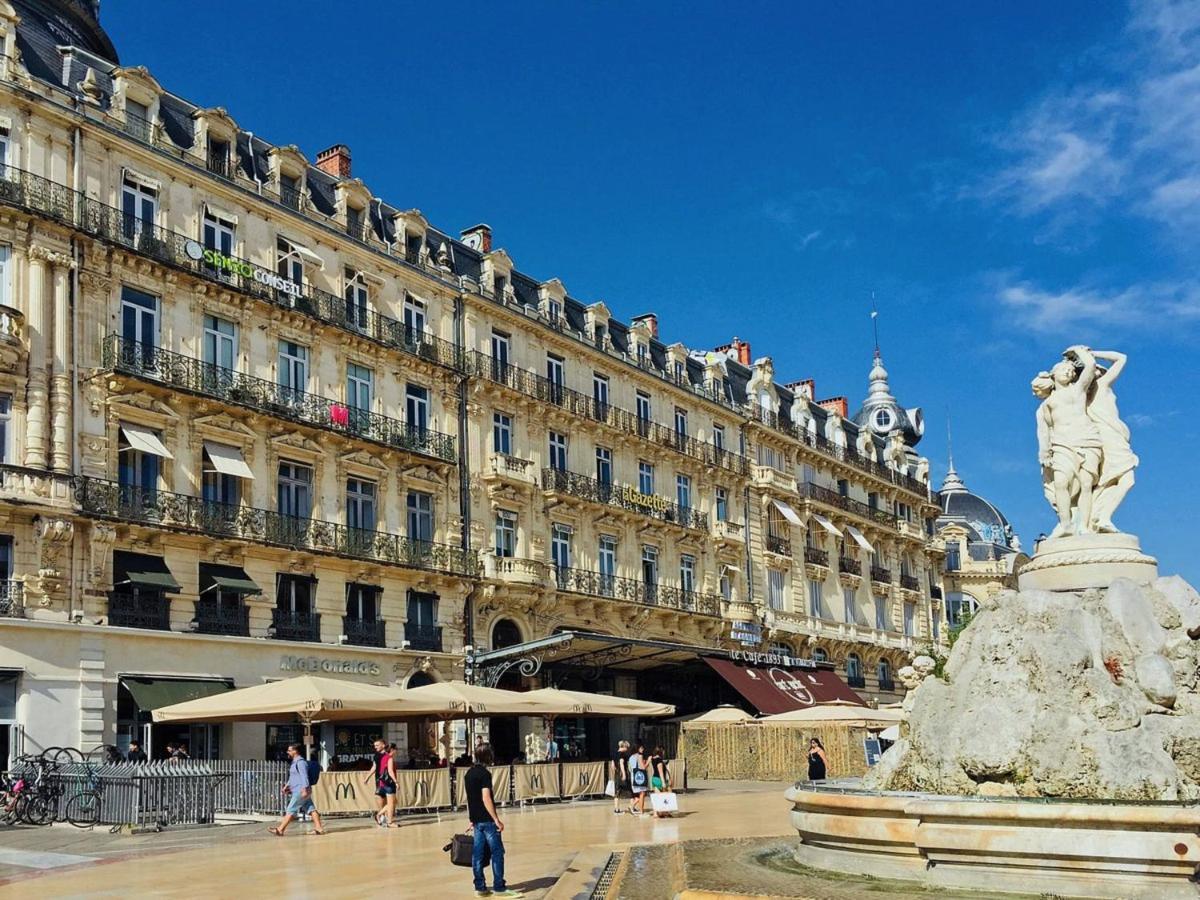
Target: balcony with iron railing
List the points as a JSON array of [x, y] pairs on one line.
[[423, 637], [847, 455], [364, 632], [12, 599], [531, 384], [881, 575], [290, 196], [295, 625], [218, 162], [856, 681], [139, 610], [849, 565], [631, 590], [220, 618], [780, 545], [624, 496], [886, 683], [108, 499], [935, 592], [186, 373], [138, 127], [909, 583], [832, 498], [816, 556]]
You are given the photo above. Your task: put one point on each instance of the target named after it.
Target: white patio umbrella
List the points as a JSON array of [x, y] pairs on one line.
[[837, 714]]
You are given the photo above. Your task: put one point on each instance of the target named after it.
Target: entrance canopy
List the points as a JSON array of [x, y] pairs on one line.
[[776, 689], [155, 693]]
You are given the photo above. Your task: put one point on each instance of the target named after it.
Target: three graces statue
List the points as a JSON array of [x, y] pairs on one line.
[[1083, 446]]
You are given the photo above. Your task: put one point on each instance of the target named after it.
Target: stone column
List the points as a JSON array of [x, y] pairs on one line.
[[37, 402], [60, 380]]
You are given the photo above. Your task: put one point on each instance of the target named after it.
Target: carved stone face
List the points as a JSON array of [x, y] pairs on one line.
[[1064, 372]]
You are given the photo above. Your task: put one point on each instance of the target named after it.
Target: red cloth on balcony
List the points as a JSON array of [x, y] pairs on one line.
[[339, 414]]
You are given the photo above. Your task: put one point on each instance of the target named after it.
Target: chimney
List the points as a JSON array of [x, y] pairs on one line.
[[838, 405], [806, 388], [736, 349], [650, 319], [335, 161], [478, 237]]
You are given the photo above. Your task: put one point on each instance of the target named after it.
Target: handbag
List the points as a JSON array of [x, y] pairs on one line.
[[639, 778], [462, 847], [610, 789], [664, 802]]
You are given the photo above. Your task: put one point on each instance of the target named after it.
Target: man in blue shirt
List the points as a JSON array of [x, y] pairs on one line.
[[299, 791]]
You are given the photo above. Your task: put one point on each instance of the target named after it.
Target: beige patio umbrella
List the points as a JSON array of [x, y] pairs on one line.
[[724, 714], [307, 698], [459, 700], [837, 714], [556, 702]]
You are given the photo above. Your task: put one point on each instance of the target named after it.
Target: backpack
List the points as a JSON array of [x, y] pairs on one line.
[[314, 772]]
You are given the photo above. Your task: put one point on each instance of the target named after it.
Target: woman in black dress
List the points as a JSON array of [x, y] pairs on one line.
[[817, 761]]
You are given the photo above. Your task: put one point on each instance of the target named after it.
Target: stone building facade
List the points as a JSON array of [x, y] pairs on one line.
[[256, 420]]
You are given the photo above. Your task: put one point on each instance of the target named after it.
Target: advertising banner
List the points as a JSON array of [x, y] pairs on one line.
[[422, 788], [501, 785], [583, 779], [538, 782], [345, 792]]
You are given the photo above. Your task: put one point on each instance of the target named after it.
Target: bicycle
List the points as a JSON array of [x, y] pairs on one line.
[[83, 807]]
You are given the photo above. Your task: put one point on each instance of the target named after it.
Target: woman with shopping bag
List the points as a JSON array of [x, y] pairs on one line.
[[663, 800]]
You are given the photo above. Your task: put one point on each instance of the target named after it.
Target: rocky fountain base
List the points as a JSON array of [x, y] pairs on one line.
[[1059, 751]]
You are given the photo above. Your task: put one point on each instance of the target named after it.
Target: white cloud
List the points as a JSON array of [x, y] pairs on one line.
[[1098, 309], [1129, 137]]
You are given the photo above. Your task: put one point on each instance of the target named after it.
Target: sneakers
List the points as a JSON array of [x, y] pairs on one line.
[[508, 893], [617, 812], [483, 893]]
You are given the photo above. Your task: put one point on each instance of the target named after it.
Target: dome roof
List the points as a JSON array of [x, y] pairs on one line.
[[46, 24], [881, 414], [960, 506]]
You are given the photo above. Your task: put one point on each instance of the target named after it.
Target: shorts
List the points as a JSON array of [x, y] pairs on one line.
[[384, 790], [657, 783], [299, 805], [623, 790]]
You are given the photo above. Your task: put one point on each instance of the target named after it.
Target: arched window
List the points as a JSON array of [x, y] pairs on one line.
[[820, 655], [780, 649], [420, 679], [854, 672], [505, 633], [883, 672], [958, 605]]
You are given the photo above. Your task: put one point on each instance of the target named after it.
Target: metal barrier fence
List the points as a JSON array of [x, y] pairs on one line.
[[249, 786]]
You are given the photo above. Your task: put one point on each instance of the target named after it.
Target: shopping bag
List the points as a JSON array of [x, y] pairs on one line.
[[664, 802], [610, 789]]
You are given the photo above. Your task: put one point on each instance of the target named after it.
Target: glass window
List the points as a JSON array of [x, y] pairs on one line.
[[422, 609], [502, 433], [719, 436], [726, 584], [643, 407], [910, 619], [289, 264], [649, 564], [6, 453], [294, 594], [137, 472], [854, 667], [681, 422], [354, 222], [604, 470], [645, 477], [556, 374], [687, 573], [4, 156], [501, 349], [775, 588], [6, 565], [362, 602], [356, 295], [295, 490], [416, 406], [414, 317], [820, 655], [220, 343], [360, 383], [600, 393], [953, 556], [360, 504], [139, 320], [883, 671], [683, 491], [608, 555], [722, 505], [219, 487], [881, 613], [560, 546], [289, 190], [959, 606], [553, 310], [139, 206], [680, 371], [558, 451], [848, 604], [420, 516], [506, 533], [816, 602], [293, 369], [218, 234]]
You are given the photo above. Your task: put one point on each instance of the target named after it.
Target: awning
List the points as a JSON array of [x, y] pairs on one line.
[[152, 693], [226, 578], [775, 689], [145, 440], [788, 512], [826, 524], [306, 254], [227, 460], [859, 538], [217, 212], [142, 570]]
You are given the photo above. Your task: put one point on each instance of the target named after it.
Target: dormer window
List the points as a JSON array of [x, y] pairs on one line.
[[289, 191], [354, 223], [599, 335], [501, 282], [679, 372], [218, 158], [412, 248], [356, 299], [553, 311], [137, 120]]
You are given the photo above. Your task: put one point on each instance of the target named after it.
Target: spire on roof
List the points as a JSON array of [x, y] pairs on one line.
[[952, 482]]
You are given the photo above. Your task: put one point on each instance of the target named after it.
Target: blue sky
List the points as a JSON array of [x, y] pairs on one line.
[[1007, 178]]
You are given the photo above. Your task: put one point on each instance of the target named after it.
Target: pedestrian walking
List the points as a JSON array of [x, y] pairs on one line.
[[660, 778], [383, 771], [486, 824], [299, 791], [639, 779], [818, 762], [621, 776]]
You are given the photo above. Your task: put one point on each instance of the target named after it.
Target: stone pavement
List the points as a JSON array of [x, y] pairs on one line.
[[356, 859]]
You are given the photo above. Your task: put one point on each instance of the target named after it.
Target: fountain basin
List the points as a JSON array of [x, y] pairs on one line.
[[1076, 848]]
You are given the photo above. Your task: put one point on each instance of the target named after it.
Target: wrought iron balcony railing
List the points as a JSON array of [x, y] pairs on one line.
[[887, 683], [779, 545], [531, 384], [37, 194], [423, 637], [631, 590], [624, 496], [139, 127], [364, 632], [289, 625], [289, 196], [126, 610], [856, 681], [816, 556], [935, 592], [108, 499], [12, 599], [880, 574], [849, 565], [833, 498], [219, 164], [190, 374], [216, 618], [909, 583]]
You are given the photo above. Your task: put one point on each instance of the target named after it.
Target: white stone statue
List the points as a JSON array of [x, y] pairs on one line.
[[1083, 446]]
